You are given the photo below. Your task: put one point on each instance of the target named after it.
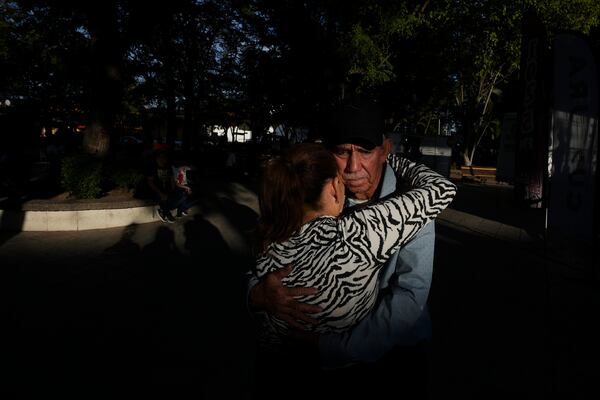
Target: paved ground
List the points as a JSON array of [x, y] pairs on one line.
[[160, 307]]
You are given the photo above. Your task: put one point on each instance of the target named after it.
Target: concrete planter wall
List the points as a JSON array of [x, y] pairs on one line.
[[43, 215]]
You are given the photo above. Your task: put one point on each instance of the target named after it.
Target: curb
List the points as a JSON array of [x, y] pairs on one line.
[[486, 227], [573, 258], [75, 220]]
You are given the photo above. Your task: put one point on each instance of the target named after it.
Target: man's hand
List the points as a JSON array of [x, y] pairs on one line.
[[279, 300]]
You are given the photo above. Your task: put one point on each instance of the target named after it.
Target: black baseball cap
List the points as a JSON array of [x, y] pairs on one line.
[[360, 123]]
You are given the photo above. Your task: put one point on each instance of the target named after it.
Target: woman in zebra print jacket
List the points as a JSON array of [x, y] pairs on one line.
[[301, 199]]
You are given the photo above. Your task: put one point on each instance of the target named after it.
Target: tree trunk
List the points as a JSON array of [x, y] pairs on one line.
[[106, 85], [189, 122], [96, 141], [171, 113], [170, 89], [468, 156], [191, 68]]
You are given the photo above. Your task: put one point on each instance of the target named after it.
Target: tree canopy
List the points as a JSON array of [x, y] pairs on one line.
[[118, 63]]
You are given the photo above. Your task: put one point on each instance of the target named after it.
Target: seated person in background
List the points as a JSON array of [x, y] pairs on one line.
[[160, 180], [301, 199], [181, 179]]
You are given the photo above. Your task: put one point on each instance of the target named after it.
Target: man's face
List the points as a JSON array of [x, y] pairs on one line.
[[361, 169]]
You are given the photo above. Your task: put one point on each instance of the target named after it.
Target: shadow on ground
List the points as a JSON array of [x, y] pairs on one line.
[[166, 315], [138, 318]]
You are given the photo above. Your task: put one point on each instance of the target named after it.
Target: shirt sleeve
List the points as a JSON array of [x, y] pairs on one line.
[[379, 230], [395, 319]]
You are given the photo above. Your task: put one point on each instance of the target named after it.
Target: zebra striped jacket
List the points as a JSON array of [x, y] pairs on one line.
[[342, 256]]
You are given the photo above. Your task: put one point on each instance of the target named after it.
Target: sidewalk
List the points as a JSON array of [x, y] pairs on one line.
[[160, 306], [529, 302]]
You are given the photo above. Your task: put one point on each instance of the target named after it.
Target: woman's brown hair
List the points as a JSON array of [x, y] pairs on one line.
[[288, 184]]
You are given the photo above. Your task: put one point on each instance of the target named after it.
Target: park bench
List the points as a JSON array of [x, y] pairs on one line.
[[480, 174]]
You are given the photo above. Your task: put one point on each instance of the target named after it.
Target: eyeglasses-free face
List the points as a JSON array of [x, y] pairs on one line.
[[361, 168]]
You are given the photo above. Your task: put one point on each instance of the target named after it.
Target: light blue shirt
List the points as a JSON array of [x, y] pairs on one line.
[[400, 317]]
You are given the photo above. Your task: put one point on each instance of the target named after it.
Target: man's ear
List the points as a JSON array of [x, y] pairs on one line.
[[387, 146]]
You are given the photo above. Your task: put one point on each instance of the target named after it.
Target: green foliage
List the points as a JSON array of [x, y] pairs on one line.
[[368, 44], [87, 177], [577, 15], [266, 62], [126, 178], [81, 176], [368, 60]]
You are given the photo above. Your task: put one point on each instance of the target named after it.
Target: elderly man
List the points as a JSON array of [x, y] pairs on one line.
[[389, 342]]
